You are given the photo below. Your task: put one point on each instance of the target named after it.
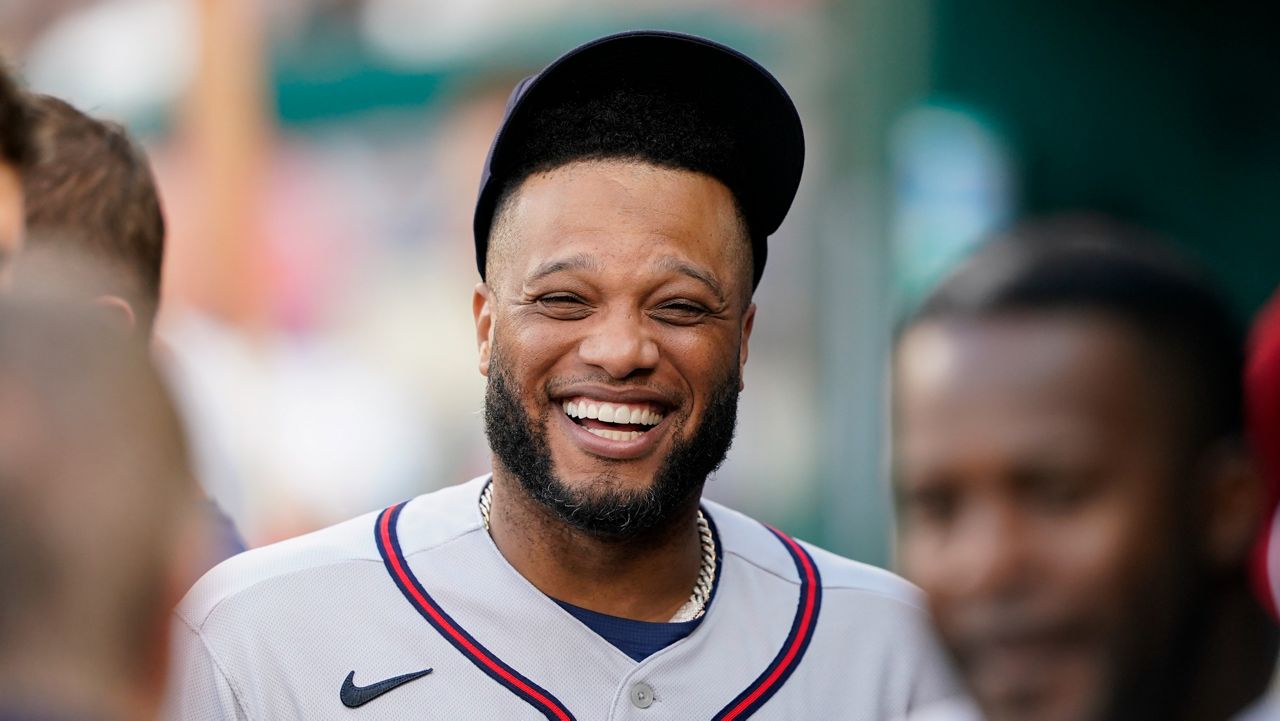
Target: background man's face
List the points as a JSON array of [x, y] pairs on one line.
[[1039, 490], [617, 319], [11, 222]]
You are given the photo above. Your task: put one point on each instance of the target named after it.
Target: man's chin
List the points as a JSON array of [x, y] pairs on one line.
[[1037, 692], [605, 481], [607, 504]]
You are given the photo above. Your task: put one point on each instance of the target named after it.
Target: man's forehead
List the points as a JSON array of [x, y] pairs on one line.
[[1042, 343], [655, 265], [597, 214], [1037, 375], [623, 184]]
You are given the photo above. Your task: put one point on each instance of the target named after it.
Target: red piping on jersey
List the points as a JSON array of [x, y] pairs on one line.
[[797, 642], [742, 707], [478, 653]]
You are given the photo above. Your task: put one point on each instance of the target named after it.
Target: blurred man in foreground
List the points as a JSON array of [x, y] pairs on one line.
[[95, 500], [1076, 497], [15, 155]]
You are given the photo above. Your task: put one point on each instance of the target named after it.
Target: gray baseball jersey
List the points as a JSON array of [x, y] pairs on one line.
[[344, 624]]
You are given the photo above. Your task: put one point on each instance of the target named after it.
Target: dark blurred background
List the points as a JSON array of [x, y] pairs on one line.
[[318, 161]]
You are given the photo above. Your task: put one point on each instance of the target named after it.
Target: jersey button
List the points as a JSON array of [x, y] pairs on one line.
[[642, 695]]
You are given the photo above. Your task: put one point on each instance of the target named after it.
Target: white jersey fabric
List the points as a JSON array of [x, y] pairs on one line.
[[954, 710], [1266, 709], [793, 632]]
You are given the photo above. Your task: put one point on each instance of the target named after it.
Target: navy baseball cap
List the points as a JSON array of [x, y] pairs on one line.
[[749, 103]]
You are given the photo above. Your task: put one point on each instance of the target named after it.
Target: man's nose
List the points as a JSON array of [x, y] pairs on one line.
[[620, 344], [990, 553]]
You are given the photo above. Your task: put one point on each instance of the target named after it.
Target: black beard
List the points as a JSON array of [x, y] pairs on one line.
[[520, 444]]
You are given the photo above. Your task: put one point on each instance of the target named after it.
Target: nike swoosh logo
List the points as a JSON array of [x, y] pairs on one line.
[[354, 696]]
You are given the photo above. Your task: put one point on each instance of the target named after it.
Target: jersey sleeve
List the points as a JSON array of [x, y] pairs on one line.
[[198, 688], [933, 677]]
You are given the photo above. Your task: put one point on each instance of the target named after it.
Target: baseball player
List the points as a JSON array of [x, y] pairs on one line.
[[620, 231], [1077, 500]]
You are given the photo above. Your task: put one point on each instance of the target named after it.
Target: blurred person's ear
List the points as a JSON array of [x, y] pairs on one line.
[[118, 311], [1232, 503], [482, 309]]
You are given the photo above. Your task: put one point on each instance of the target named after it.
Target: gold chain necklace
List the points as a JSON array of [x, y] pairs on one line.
[[697, 603]]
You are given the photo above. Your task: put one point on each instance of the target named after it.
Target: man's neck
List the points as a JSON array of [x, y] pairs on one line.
[[644, 579]]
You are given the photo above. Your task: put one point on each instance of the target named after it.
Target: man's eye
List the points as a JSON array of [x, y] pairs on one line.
[[929, 505], [560, 301], [1057, 492], [680, 311], [563, 306]]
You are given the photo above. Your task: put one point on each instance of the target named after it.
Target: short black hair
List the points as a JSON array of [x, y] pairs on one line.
[[1096, 265], [15, 122], [656, 125]]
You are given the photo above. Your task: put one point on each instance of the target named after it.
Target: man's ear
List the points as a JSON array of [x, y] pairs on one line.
[[1233, 500], [482, 309], [118, 310], [748, 322]]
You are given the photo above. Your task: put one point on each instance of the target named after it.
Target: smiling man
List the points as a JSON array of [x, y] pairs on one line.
[[620, 231], [1076, 497]]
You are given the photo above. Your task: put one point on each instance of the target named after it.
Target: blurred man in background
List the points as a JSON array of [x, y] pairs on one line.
[[95, 503], [91, 192], [90, 196], [15, 154], [1076, 497]]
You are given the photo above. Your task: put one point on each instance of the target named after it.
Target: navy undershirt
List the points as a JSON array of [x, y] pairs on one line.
[[642, 639], [637, 639]]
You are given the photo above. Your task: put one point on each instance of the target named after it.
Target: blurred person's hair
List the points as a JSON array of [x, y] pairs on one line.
[[1074, 264], [15, 122], [91, 188], [646, 124], [94, 501]]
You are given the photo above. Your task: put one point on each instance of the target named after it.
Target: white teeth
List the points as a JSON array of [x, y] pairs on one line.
[[612, 413], [615, 435]]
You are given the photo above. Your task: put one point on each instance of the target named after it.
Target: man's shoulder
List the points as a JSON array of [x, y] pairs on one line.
[[758, 545], [435, 518]]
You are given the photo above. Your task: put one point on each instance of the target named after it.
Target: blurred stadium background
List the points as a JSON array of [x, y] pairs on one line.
[[318, 161]]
